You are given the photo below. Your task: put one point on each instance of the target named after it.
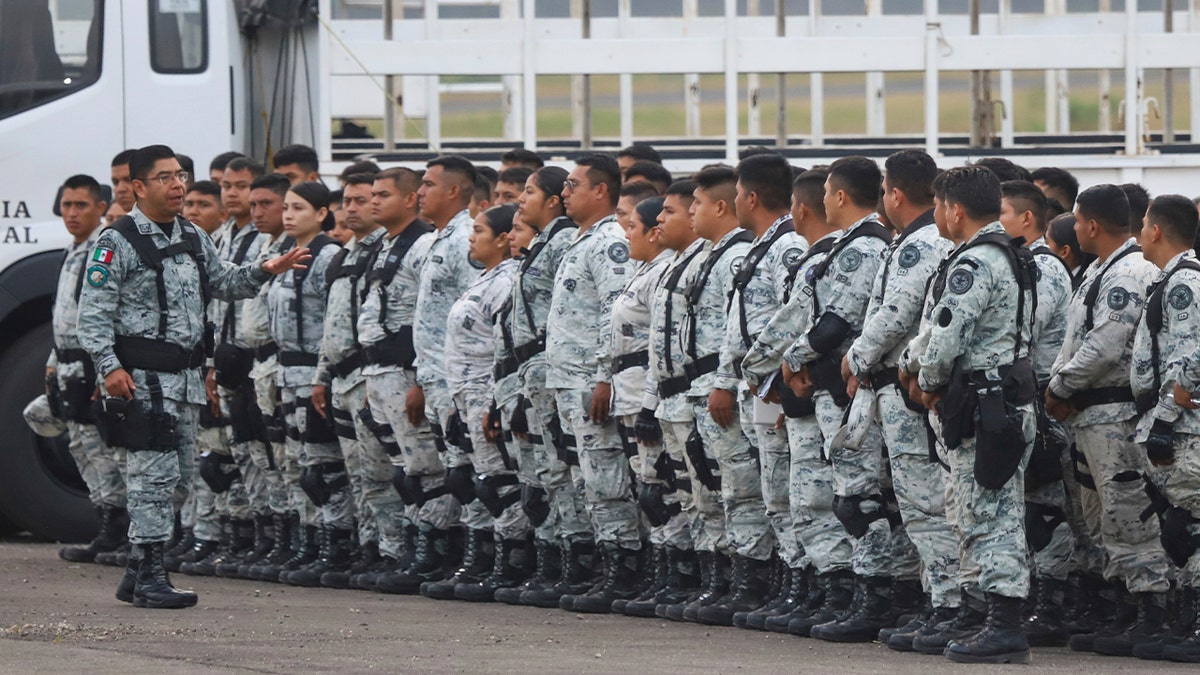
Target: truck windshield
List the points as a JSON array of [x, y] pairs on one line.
[[48, 49]]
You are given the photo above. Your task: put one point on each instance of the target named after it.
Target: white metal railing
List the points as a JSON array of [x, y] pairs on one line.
[[520, 47]]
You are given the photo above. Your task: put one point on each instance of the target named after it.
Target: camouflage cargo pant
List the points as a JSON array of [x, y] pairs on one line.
[[1087, 555], [270, 457], [379, 507], [337, 512], [1180, 484], [563, 482], [605, 470], [531, 460], [921, 494], [386, 394], [747, 530], [826, 543], [208, 506], [492, 467], [1112, 509], [98, 464], [701, 506], [991, 523], [157, 480], [676, 532], [250, 456], [439, 407], [775, 470]]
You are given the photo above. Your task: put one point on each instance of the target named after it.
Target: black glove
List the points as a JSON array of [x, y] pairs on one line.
[[646, 428], [519, 424], [1160, 442]]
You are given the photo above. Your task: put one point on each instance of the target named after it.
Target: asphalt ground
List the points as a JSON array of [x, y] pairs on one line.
[[61, 617]]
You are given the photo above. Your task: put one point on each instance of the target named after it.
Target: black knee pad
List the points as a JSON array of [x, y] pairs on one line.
[[460, 482], [487, 490], [535, 503], [850, 514], [212, 468], [651, 500]]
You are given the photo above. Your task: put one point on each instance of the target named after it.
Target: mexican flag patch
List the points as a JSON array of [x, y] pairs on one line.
[[102, 255]]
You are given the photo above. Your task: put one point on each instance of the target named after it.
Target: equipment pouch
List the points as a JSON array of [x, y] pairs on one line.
[[232, 365], [123, 424], [999, 438], [77, 400], [829, 333], [54, 397], [826, 375], [694, 447], [1045, 463], [794, 406], [244, 416], [317, 429], [1176, 539]]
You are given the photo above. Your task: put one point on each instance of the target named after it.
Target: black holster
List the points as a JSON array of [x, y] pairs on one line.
[[75, 400], [232, 365], [317, 429], [457, 433], [382, 432], [564, 444], [1040, 522], [129, 424], [487, 490], [245, 417], [694, 447], [400, 484], [1000, 437], [826, 375], [1049, 445]]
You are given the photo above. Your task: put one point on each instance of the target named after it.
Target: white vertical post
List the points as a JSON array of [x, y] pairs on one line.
[[933, 58], [510, 85], [691, 81], [1193, 25], [529, 76], [324, 139], [1063, 89], [625, 80], [1006, 84], [389, 81], [753, 89], [816, 84], [1050, 7], [731, 82], [876, 111], [1105, 84], [1133, 84], [577, 85], [433, 114]]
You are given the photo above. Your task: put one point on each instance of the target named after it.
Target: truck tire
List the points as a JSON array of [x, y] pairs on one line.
[[40, 488]]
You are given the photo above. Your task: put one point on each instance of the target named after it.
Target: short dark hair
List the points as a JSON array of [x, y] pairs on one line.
[[123, 157], [860, 178], [912, 172], [651, 171], [239, 164], [515, 174], [523, 157], [648, 210], [500, 218], [1106, 204], [84, 181], [186, 163], [487, 172], [602, 169], [641, 152], [300, 155], [1177, 216], [335, 197], [144, 159], [1058, 179], [1139, 201], [754, 150], [207, 187], [273, 182], [359, 179], [975, 188], [809, 189], [1062, 231], [484, 186], [460, 166], [365, 166], [639, 190], [222, 160], [402, 177], [685, 189], [1005, 169], [719, 179], [770, 177], [1026, 196], [1054, 208], [550, 180]]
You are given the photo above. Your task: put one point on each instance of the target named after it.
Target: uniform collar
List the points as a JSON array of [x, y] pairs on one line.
[[728, 235], [870, 217], [1174, 262], [458, 219], [785, 218], [147, 226]]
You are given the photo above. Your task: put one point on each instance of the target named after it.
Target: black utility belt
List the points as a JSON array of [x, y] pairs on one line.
[[347, 365], [638, 359], [1017, 378], [1101, 396], [158, 355], [72, 355], [505, 367], [264, 352], [290, 359], [529, 350], [394, 350], [673, 386]]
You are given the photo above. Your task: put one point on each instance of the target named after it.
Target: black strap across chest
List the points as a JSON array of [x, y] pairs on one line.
[[559, 226], [1154, 316], [298, 276], [871, 228], [395, 255], [153, 257], [670, 283], [1093, 292], [696, 288], [229, 323], [822, 246]]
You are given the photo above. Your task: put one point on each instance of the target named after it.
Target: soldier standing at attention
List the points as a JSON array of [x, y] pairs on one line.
[[142, 320]]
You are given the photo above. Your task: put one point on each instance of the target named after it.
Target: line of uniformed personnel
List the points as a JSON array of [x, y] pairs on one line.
[[950, 411]]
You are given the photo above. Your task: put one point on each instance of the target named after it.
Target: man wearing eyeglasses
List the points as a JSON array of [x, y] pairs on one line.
[[142, 321]]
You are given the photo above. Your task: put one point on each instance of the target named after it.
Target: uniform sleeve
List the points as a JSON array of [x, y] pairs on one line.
[[848, 298], [767, 352], [1179, 304], [1117, 312], [610, 270], [228, 281], [98, 300], [968, 290], [899, 309]]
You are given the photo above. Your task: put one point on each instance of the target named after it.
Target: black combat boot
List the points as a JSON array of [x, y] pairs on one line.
[[187, 539], [747, 591], [873, 613], [1181, 625], [547, 571], [839, 590], [335, 555], [1045, 627], [912, 625], [201, 549], [908, 599], [681, 582], [1000, 641], [658, 567], [619, 582], [240, 545], [262, 540], [967, 621], [128, 581], [429, 563], [577, 561], [779, 579], [719, 586], [1186, 649], [1150, 626], [791, 595], [1126, 615], [117, 557], [902, 640], [813, 598], [154, 589], [704, 564], [109, 537], [513, 564], [396, 562], [305, 550], [287, 528], [207, 566], [1092, 603], [368, 561], [476, 565]]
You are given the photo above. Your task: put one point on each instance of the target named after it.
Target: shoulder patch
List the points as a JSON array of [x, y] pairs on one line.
[[909, 256], [1118, 298], [474, 263], [735, 265], [1180, 297], [960, 280], [618, 252], [850, 260], [103, 255], [97, 275], [792, 256]]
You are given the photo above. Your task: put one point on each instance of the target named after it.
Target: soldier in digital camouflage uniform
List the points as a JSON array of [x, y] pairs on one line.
[[123, 305], [594, 268], [1089, 389], [69, 371]]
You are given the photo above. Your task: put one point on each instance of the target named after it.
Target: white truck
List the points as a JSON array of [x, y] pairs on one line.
[[81, 80]]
